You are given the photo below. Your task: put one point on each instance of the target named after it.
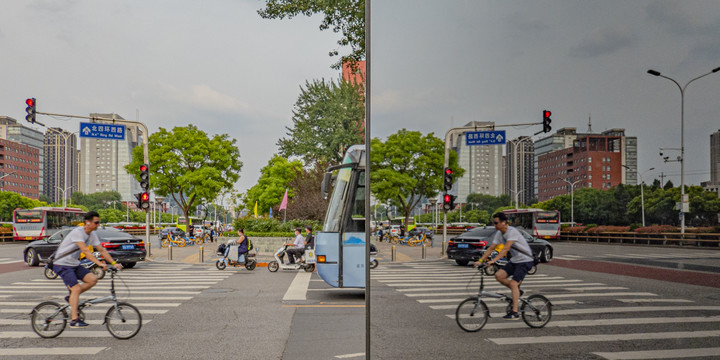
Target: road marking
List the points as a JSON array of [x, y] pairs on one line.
[[347, 356], [98, 292], [634, 309], [654, 300], [550, 296], [606, 322], [605, 337], [498, 304], [661, 354], [87, 311], [567, 257], [474, 292], [52, 351], [5, 261], [105, 287], [33, 303], [455, 279], [25, 322], [495, 287], [325, 306], [299, 287], [72, 334], [442, 284]]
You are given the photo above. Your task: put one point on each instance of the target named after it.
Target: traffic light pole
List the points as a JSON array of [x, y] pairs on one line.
[[451, 138], [146, 156]]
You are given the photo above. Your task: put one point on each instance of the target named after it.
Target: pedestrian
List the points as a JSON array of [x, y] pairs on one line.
[[67, 265]]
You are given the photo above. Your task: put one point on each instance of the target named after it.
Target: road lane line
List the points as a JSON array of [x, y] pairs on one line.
[[72, 334], [97, 292], [605, 322], [52, 351], [348, 356], [299, 287], [87, 311], [661, 354], [654, 300], [105, 287], [25, 322], [634, 309], [456, 283], [495, 287], [605, 337], [497, 304], [33, 303], [551, 296]]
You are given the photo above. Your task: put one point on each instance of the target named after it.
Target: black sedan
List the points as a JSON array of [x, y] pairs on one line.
[[470, 246], [123, 247]]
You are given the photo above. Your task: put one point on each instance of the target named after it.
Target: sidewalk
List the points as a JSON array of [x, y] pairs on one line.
[[406, 253], [190, 254]]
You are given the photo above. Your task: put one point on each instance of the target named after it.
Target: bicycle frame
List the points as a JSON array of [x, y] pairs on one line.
[[482, 293], [110, 298]]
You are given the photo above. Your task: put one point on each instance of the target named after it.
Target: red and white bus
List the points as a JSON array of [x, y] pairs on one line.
[[543, 224], [41, 222]]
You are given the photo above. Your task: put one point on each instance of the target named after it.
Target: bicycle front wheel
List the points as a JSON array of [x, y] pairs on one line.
[[537, 311], [123, 321], [47, 321], [394, 240], [182, 242], [472, 314], [165, 242]]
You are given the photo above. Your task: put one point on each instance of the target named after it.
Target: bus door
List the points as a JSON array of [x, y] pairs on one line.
[[340, 247]]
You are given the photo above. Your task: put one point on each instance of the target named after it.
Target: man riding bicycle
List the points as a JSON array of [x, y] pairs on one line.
[[520, 262], [67, 263]]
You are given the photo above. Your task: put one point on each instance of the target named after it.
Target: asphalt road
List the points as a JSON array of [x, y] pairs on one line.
[[609, 302]]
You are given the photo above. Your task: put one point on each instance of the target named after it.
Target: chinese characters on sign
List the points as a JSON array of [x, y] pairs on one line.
[[102, 131], [496, 137]]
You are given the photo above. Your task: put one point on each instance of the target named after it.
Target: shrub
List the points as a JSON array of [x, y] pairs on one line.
[[634, 226], [655, 229]]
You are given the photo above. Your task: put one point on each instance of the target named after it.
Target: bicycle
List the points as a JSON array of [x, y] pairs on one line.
[[167, 241], [122, 320], [421, 239], [472, 314]]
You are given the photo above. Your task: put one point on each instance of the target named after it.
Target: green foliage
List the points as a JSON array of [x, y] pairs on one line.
[[270, 188], [265, 226], [408, 167], [342, 16], [9, 201], [189, 166], [327, 119], [99, 200], [634, 226]]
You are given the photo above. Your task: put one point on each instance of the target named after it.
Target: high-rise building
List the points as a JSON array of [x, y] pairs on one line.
[[594, 161], [715, 158], [102, 161], [565, 137], [520, 169], [19, 168], [483, 166], [61, 171], [11, 130]]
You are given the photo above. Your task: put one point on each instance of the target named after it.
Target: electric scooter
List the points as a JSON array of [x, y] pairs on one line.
[[308, 265], [93, 267], [229, 258], [373, 262]]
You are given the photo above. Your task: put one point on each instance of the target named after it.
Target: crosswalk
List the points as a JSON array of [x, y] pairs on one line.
[[594, 312], [9, 261], [155, 289], [696, 255]]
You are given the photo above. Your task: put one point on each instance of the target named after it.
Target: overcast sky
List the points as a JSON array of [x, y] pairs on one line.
[[437, 62], [218, 65], [215, 64]]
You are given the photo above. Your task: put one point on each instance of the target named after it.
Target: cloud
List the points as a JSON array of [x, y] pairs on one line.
[[205, 98], [603, 41], [685, 18]]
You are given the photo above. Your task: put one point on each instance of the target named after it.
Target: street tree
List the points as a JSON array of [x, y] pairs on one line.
[[188, 165], [342, 16], [99, 200], [274, 179], [306, 201], [407, 168], [327, 119], [9, 201]]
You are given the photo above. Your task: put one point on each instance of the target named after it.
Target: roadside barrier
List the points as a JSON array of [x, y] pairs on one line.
[[707, 240], [393, 254]]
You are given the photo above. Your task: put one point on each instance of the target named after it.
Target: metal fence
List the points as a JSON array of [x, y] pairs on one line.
[[661, 239]]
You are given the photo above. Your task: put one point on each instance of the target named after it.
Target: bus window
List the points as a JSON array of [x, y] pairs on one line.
[[28, 216], [335, 208], [357, 218]]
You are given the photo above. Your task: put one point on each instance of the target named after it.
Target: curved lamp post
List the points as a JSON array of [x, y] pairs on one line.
[[682, 137]]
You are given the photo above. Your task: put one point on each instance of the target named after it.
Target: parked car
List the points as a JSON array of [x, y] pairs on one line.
[[123, 247], [469, 246], [175, 231], [394, 230]]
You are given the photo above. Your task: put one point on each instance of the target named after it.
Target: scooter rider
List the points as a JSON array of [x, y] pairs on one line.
[[299, 247], [309, 238]]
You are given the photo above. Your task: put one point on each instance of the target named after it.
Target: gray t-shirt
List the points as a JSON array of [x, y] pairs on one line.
[[516, 256], [68, 246]]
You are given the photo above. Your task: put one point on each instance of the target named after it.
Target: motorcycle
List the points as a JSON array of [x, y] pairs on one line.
[[93, 267], [308, 265], [228, 257]]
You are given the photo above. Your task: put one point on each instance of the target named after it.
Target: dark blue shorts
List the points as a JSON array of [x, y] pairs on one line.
[[519, 270], [71, 274]]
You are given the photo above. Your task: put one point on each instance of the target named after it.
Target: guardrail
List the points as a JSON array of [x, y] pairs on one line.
[[661, 239]]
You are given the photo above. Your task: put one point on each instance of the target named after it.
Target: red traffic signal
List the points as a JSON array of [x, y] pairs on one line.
[[30, 110], [448, 171], [145, 197], [30, 102], [446, 198], [143, 167], [547, 113]]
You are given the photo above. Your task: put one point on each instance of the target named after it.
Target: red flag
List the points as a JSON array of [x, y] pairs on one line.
[[283, 204]]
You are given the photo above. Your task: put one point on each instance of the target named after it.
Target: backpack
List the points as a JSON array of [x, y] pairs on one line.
[[221, 249], [250, 244]]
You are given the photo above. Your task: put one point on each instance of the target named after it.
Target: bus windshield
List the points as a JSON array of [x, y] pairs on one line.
[[547, 220], [335, 208], [28, 216]]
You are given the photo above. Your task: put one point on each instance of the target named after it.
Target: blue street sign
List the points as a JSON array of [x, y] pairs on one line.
[[496, 137], [102, 131]]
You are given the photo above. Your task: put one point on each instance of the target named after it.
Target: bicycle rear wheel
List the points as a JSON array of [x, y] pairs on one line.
[[182, 242], [537, 312], [123, 321], [165, 242], [472, 314], [44, 323]]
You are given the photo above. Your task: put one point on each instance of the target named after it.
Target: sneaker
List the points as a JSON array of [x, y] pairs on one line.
[[521, 293], [510, 316], [67, 299], [78, 324]]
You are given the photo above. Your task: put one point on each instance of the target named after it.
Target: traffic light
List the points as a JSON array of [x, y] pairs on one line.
[[546, 121], [448, 202], [448, 179], [144, 199], [30, 110], [138, 204]]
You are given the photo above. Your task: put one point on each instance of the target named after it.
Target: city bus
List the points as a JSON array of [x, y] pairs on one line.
[[180, 224], [340, 246], [543, 224], [41, 222]]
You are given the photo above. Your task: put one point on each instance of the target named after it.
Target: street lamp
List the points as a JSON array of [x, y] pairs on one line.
[[433, 203], [642, 192], [65, 136], [159, 200], [572, 199], [2, 183], [515, 170], [682, 138]]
